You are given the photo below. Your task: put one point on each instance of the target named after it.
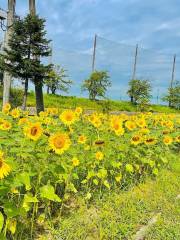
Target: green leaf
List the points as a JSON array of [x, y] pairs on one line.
[[11, 210], [102, 173], [48, 192], [3, 190], [28, 199], [71, 188], [1, 221], [106, 184], [24, 178]]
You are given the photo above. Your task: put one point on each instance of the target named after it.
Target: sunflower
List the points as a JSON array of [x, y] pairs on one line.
[[4, 167], [82, 139], [135, 140], [130, 125], [144, 131], [33, 131], [59, 142], [22, 121], [95, 120], [141, 123], [177, 139], [116, 126], [43, 114], [68, 117], [75, 161], [6, 108], [15, 113], [99, 155], [78, 111], [150, 141], [167, 140], [5, 125]]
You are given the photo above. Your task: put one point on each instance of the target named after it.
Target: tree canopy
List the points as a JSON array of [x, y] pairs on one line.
[[97, 84]]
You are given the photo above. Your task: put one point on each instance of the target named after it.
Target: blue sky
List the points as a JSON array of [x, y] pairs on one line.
[[71, 24]]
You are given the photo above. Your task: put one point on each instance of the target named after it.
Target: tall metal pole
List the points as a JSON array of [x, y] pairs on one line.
[[32, 7], [94, 53], [135, 63], [172, 78], [7, 77], [173, 71]]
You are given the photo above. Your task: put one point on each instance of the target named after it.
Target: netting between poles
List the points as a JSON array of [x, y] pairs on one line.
[[118, 59]]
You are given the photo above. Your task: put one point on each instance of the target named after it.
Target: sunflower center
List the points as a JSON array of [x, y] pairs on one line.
[[149, 140], [59, 142], [135, 139], [116, 126], [33, 131], [69, 117]]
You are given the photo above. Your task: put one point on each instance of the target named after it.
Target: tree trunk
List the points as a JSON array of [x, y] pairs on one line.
[[47, 89], [132, 99], [53, 91], [39, 97], [7, 77], [25, 95]]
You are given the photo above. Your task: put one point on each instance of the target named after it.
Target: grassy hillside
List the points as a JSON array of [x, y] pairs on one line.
[[72, 102]]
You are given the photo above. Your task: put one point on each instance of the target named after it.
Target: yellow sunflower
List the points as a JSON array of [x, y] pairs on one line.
[[167, 140], [116, 126], [59, 142], [15, 113], [22, 121], [5, 125], [130, 125], [78, 110], [135, 140], [82, 139], [177, 139], [75, 162], [99, 155], [33, 131], [68, 117], [141, 123], [6, 108], [4, 167]]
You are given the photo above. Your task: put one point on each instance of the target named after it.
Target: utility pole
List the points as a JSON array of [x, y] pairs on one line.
[[32, 7], [7, 77], [135, 63], [94, 53], [50, 62], [172, 78]]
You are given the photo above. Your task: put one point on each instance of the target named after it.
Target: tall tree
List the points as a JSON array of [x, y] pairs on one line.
[[139, 90], [23, 60], [173, 95], [97, 84], [57, 79]]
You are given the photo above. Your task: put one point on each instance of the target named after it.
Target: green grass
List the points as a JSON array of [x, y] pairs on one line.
[[120, 214], [72, 102], [103, 105]]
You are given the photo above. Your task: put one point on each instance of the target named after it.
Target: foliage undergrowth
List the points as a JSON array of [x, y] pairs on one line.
[[49, 162]]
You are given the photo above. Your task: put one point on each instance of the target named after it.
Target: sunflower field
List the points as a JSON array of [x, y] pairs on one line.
[[47, 160]]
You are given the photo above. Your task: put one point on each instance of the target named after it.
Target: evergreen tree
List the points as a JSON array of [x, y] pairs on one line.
[[28, 44]]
